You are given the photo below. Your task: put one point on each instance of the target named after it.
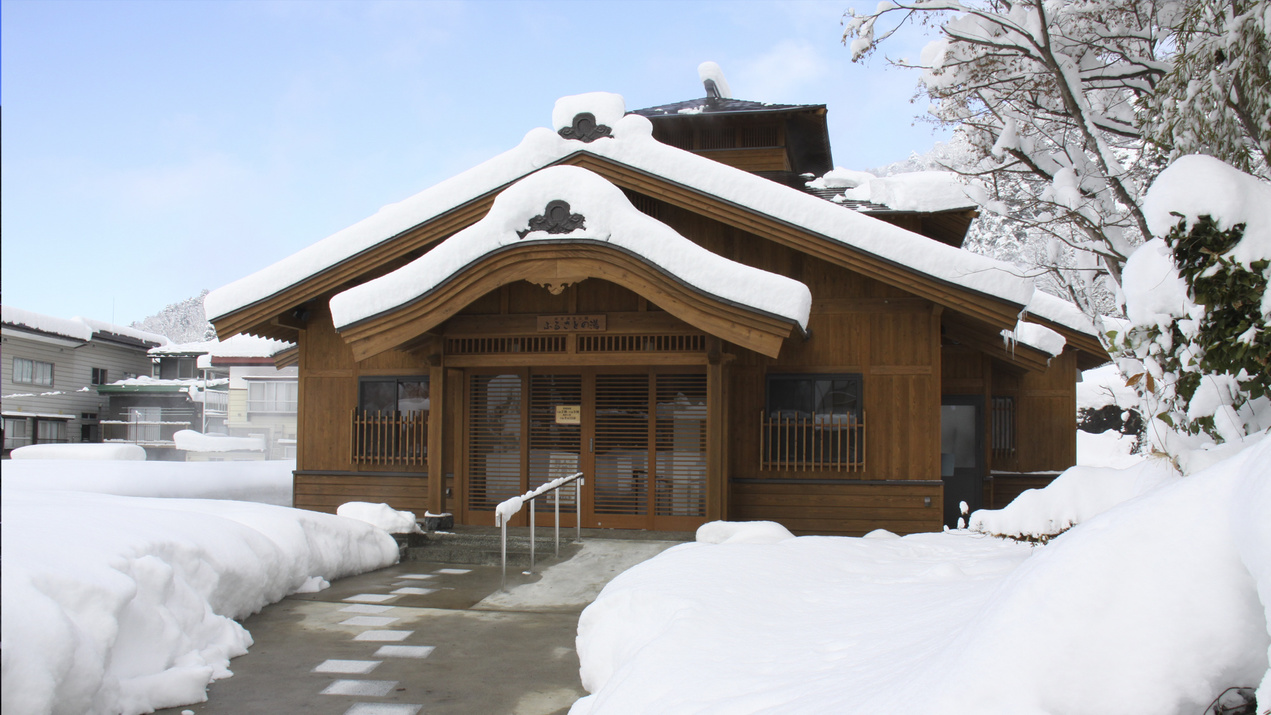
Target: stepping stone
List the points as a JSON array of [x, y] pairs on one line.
[[368, 621], [413, 591], [365, 608], [415, 576], [383, 709], [380, 636], [454, 572], [347, 667], [404, 651], [371, 598], [371, 688]]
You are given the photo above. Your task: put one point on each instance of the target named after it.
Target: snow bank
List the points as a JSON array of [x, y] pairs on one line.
[[381, 516], [1077, 495], [609, 218], [136, 611], [742, 532], [1109, 448], [266, 482], [1154, 606], [187, 440], [81, 451]]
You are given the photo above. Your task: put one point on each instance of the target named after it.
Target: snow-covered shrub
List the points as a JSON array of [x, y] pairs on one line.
[[1197, 346]]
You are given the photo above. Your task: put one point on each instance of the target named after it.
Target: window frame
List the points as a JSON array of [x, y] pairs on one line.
[[390, 437], [812, 437], [99, 376], [273, 404], [30, 377]]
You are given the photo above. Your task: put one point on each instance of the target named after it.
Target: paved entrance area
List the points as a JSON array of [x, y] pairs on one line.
[[424, 637]]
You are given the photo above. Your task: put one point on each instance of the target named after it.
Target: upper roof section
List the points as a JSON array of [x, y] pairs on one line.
[[77, 328]]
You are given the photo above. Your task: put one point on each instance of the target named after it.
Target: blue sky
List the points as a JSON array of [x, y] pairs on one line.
[[153, 149]]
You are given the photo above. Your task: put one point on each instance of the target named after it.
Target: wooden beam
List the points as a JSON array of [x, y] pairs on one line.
[[436, 437]]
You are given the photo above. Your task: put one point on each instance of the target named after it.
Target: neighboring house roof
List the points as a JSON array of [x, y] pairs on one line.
[[628, 149], [77, 328], [191, 385], [237, 349]]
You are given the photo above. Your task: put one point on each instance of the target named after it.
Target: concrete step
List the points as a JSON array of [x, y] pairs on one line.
[[484, 549]]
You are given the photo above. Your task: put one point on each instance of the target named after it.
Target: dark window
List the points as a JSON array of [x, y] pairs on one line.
[[390, 424], [814, 422], [99, 376]]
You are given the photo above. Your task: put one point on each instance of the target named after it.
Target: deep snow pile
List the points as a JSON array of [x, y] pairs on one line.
[[1154, 606], [117, 604], [266, 481]]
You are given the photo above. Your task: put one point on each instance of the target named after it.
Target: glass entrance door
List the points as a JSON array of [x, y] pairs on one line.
[[961, 454]]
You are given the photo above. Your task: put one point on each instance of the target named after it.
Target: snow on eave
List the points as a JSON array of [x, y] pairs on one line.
[[1062, 312], [40, 323], [100, 326], [236, 346], [608, 218], [1035, 336], [632, 145]]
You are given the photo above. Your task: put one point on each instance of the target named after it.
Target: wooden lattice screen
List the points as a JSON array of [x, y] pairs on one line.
[[1003, 427], [390, 438], [808, 443]]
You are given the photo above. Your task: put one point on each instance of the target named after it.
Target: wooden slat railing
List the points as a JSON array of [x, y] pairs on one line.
[[816, 443], [390, 438]]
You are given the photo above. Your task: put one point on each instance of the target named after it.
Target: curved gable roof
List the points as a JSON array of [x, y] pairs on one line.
[[604, 236]]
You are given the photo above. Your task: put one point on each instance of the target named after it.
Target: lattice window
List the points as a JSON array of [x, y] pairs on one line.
[[513, 344], [641, 343], [1003, 427], [761, 136], [390, 423], [813, 422], [719, 138]]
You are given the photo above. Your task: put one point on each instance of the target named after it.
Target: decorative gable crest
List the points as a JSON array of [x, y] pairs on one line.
[[555, 219], [585, 129]]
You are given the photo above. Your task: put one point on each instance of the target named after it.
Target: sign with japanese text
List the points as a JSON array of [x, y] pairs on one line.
[[571, 323], [569, 414]]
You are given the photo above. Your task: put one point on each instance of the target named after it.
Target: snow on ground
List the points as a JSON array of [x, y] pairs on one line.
[[1153, 606], [267, 482], [574, 582], [125, 604], [187, 440], [82, 451], [381, 516]]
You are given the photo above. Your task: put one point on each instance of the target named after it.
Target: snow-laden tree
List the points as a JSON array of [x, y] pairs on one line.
[[181, 322], [1047, 97], [1217, 98]]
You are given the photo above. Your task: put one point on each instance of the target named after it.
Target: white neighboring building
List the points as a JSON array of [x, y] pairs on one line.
[[261, 398], [51, 367]]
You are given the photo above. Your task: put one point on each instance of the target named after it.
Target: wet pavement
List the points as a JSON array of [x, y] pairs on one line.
[[422, 638]]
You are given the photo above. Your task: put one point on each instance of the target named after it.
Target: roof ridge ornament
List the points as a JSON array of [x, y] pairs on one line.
[[556, 218], [585, 129]]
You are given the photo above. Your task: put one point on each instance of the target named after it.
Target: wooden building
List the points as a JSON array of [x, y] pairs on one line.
[[657, 300]]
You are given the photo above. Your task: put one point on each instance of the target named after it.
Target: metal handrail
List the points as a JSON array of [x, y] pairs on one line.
[[509, 508]]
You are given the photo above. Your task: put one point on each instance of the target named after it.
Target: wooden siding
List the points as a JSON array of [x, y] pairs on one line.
[[326, 492], [840, 509]]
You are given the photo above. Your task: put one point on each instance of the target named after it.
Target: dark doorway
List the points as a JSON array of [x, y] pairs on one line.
[[961, 454]]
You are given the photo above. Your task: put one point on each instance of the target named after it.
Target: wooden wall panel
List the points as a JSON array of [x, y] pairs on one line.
[[1047, 416], [322, 347], [595, 296], [324, 492], [840, 509], [324, 424]]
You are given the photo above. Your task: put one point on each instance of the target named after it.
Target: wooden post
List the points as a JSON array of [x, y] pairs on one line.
[[436, 435], [716, 484]]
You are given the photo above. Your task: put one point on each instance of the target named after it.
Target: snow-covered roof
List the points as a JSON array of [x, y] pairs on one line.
[[1035, 336], [632, 145], [236, 346], [1058, 310], [609, 218], [76, 328], [919, 191]]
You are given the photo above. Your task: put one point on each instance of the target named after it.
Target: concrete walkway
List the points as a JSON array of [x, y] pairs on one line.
[[424, 637]]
